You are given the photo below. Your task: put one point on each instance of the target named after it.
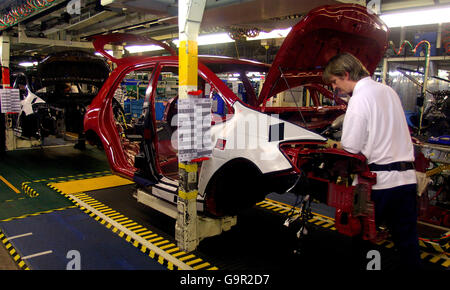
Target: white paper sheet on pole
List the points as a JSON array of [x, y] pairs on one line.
[[194, 129], [10, 100]]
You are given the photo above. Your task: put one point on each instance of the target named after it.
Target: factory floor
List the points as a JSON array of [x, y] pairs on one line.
[[58, 201]]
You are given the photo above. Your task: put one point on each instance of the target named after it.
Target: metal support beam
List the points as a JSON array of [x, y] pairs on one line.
[[385, 70], [24, 39], [190, 14]]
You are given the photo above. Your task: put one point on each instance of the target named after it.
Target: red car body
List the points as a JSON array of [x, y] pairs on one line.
[[321, 34]]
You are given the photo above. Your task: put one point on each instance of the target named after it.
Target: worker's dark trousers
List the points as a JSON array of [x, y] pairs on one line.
[[397, 209]]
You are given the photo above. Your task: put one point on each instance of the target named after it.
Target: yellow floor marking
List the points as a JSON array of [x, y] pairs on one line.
[[101, 207], [167, 246], [435, 259], [94, 204], [202, 266], [114, 215], [154, 240], [145, 233], [140, 230], [9, 184], [423, 255], [134, 227], [190, 263], [149, 236], [390, 245], [90, 184], [177, 254], [278, 209], [161, 243], [446, 263]]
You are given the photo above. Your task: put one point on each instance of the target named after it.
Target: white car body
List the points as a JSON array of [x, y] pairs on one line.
[[247, 136], [26, 105], [252, 144]]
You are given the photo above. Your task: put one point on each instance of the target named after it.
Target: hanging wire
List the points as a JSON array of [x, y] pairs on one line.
[[425, 76], [293, 97], [16, 14]]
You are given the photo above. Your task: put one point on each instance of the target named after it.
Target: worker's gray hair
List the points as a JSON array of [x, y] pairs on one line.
[[342, 63]]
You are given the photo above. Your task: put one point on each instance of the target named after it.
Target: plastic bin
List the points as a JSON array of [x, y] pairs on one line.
[[159, 110], [136, 108]]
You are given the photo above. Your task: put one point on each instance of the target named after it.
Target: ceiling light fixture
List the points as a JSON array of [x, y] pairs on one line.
[[417, 17], [142, 48], [28, 64], [209, 39]]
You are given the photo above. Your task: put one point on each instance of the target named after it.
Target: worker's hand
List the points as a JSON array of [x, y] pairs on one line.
[[334, 144]]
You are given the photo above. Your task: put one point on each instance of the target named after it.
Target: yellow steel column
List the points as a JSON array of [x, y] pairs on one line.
[[190, 14]]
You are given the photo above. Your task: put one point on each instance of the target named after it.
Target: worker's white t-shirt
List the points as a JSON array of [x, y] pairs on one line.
[[375, 125]]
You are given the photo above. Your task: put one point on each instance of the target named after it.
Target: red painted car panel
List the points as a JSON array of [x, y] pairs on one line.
[[323, 33]]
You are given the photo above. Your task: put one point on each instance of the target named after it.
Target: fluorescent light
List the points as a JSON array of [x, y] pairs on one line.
[[201, 40], [142, 48], [28, 64], [395, 73], [208, 39], [417, 17], [110, 52], [214, 39]]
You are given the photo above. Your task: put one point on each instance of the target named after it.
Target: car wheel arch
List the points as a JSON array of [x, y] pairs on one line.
[[218, 196]]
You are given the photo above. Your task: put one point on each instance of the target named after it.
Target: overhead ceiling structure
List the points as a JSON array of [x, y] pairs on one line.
[[52, 25]]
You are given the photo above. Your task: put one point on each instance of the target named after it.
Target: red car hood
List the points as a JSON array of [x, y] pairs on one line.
[[321, 34]]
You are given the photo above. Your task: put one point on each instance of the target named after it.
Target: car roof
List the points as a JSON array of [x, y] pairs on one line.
[[217, 64]]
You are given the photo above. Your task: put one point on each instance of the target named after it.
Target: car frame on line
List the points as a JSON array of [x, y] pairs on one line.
[[275, 155]]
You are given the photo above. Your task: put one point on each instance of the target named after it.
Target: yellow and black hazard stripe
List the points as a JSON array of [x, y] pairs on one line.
[[286, 209], [13, 252], [434, 252], [433, 247], [446, 247], [74, 177], [439, 245], [434, 258], [37, 213], [28, 190], [155, 239]]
